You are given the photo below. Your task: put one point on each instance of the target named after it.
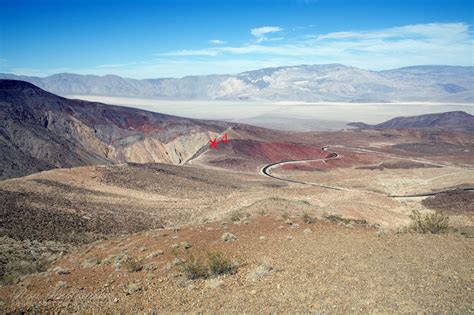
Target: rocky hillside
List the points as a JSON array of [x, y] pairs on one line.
[[457, 120], [39, 131], [331, 82]]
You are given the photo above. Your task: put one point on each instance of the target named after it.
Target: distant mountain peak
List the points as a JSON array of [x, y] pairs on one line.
[[305, 83]]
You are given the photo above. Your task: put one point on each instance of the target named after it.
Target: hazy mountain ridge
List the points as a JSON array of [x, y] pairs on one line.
[[456, 120], [331, 82]]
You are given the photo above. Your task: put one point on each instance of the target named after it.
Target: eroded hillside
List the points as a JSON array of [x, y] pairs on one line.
[[41, 131]]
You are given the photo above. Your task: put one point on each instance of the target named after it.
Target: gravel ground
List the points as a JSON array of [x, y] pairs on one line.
[[285, 266]]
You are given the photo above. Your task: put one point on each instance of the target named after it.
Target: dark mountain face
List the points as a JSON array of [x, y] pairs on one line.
[[456, 120], [40, 131]]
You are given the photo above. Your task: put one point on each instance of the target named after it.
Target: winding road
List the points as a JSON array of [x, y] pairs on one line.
[[265, 171]]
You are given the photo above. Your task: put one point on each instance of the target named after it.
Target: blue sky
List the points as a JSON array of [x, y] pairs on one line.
[[149, 39]]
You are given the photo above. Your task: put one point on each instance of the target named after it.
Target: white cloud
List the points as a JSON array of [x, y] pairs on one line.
[[260, 32], [433, 43], [430, 30], [217, 42]]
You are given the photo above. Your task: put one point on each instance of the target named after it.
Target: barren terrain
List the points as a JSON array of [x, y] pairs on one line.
[[357, 257], [286, 265], [115, 237]]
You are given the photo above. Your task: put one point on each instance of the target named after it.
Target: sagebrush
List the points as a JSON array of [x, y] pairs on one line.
[[434, 223], [219, 264], [216, 264], [193, 268]]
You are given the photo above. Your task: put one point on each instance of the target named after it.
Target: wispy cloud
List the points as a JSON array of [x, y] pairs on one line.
[[217, 42], [433, 43], [416, 31], [260, 32]]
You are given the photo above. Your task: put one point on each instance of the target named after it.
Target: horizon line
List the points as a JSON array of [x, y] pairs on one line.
[[234, 74]]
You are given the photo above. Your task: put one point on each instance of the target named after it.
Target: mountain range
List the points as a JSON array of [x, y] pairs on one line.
[[307, 83], [456, 120]]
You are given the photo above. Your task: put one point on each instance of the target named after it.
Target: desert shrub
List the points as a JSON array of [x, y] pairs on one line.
[[262, 212], [219, 264], [193, 268], [8, 279], [235, 216], [15, 269], [216, 264], [308, 219], [132, 265], [430, 223], [338, 219]]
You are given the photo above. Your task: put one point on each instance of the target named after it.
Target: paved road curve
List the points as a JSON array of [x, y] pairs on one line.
[[265, 171]]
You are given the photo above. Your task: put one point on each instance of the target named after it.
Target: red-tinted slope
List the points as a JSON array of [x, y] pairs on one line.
[[249, 155]]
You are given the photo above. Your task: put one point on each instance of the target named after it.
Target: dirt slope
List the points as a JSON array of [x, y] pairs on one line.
[[284, 267]]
